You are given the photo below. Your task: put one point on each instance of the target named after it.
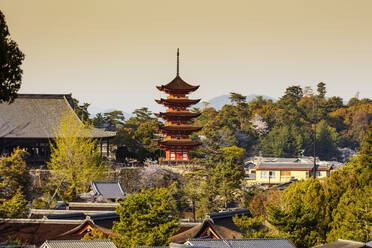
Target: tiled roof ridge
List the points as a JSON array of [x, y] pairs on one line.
[[81, 240], [197, 239], [178, 83], [350, 241], [41, 221], [106, 181], [44, 95]]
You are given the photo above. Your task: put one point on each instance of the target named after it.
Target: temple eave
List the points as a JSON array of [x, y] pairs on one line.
[[180, 129], [171, 143]]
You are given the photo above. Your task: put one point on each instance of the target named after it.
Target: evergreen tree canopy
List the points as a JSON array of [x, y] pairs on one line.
[[316, 211], [148, 218], [11, 59]]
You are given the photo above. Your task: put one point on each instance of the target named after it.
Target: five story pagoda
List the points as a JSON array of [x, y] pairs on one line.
[[177, 128]]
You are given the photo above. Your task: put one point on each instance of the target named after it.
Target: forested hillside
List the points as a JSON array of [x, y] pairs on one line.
[[283, 128], [286, 128]]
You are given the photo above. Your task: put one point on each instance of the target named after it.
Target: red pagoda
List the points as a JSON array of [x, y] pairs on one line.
[[177, 128]]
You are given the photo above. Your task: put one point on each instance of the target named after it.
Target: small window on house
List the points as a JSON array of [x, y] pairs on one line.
[[263, 174], [285, 173]]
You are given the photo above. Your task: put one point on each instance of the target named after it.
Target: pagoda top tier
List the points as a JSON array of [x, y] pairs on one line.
[[177, 85]]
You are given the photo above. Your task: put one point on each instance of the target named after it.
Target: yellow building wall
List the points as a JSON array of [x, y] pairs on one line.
[[299, 175]]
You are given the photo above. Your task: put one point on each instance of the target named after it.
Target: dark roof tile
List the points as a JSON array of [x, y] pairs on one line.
[[78, 244], [38, 116], [108, 190], [242, 243]]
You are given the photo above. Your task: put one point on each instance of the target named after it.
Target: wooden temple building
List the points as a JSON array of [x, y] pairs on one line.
[[30, 123], [178, 119]]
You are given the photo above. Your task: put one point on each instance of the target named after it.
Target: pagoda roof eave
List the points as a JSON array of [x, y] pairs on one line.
[[177, 101], [179, 143], [178, 85], [177, 114], [180, 128]]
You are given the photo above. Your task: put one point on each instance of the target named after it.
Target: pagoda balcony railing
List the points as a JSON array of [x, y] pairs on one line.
[[175, 162]]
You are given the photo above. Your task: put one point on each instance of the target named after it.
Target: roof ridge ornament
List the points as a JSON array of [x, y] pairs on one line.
[[178, 61]]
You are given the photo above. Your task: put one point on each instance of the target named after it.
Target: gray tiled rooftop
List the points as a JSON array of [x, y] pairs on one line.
[[242, 243], [108, 190], [78, 244]]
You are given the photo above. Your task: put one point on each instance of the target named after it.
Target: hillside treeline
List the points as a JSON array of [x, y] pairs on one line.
[[284, 128], [289, 126]]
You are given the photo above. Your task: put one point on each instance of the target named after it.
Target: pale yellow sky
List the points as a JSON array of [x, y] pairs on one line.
[[112, 53]]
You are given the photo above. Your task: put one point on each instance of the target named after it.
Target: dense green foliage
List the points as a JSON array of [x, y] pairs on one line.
[[251, 227], [217, 182], [14, 185], [286, 128], [11, 59], [318, 211], [148, 218], [135, 136]]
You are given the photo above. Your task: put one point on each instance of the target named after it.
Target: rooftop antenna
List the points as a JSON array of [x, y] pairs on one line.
[[178, 61]]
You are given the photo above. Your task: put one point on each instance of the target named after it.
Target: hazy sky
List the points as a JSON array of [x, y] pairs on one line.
[[112, 53]]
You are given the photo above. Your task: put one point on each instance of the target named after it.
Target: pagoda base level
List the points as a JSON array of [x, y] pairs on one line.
[[174, 162]]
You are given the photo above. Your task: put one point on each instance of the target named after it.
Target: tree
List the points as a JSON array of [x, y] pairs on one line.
[[292, 95], [259, 125], [321, 90], [315, 211], [352, 219], [98, 121], [228, 174], [75, 160], [11, 59], [237, 98], [81, 110], [283, 141], [301, 215], [15, 184], [142, 115], [251, 227], [326, 144], [148, 218], [115, 117]]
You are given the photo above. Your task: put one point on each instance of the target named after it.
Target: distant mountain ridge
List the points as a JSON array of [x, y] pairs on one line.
[[216, 102], [93, 110], [219, 101]]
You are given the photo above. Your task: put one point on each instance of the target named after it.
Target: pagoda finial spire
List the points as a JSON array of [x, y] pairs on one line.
[[178, 61]]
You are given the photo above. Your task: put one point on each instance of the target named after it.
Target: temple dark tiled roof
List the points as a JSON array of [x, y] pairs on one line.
[[37, 116], [37, 231], [239, 243], [108, 190], [342, 243], [78, 244], [229, 214], [221, 223]]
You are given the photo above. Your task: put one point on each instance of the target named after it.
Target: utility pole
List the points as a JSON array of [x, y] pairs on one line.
[[314, 145]]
